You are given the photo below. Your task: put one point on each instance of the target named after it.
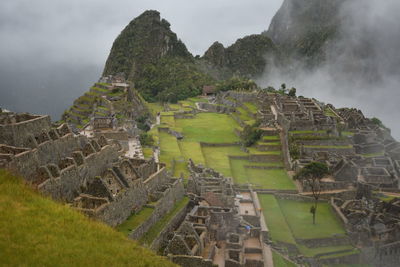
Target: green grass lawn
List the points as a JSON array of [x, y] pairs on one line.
[[169, 149], [217, 158], [243, 114], [311, 252], [278, 227], [300, 220], [208, 127], [269, 143], [135, 220], [191, 150], [271, 138], [347, 133], [244, 175], [147, 152], [270, 179], [36, 231], [372, 155], [330, 113], [150, 235], [180, 167], [307, 132], [330, 147], [187, 103], [251, 106], [198, 99], [288, 219], [280, 261], [154, 108], [255, 151], [168, 120], [238, 170]]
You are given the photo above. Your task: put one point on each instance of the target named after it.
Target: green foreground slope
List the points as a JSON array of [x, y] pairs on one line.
[[36, 231]]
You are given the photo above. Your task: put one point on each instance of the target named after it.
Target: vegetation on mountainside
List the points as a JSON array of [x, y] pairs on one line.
[[38, 231], [171, 79], [152, 56], [378, 122], [144, 41], [236, 83], [247, 57]]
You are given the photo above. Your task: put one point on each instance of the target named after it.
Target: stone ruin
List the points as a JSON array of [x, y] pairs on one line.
[[368, 154], [91, 174], [222, 227], [372, 224]]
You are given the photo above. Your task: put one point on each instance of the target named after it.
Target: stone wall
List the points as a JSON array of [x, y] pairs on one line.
[[16, 134], [112, 135], [328, 186], [325, 242], [73, 179], [339, 151], [49, 152], [191, 261], [296, 197], [215, 108], [156, 179], [173, 224], [348, 259], [123, 205], [169, 198], [242, 96]]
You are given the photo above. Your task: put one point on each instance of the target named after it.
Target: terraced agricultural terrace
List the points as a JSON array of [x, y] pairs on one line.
[[211, 139]]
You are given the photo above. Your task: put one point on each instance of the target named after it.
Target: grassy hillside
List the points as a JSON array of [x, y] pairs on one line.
[[36, 231]]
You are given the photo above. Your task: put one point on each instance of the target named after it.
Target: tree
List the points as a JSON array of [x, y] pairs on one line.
[[292, 92], [312, 174], [251, 134], [146, 139]]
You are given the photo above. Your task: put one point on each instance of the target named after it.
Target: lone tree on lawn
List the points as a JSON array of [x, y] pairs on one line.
[[312, 174]]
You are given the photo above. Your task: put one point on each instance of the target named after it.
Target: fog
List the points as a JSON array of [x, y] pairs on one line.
[[362, 68], [53, 51]]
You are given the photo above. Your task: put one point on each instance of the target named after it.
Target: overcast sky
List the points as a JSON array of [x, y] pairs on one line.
[[51, 51]]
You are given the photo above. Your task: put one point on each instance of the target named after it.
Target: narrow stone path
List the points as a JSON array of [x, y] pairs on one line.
[[198, 107], [268, 259], [156, 154], [134, 148]]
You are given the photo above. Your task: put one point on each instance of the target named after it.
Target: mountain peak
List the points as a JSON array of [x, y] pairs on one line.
[[144, 40]]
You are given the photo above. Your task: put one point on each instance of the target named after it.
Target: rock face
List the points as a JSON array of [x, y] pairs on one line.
[[246, 57], [145, 40]]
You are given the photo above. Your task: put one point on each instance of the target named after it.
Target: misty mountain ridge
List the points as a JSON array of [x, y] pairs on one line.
[[302, 35]]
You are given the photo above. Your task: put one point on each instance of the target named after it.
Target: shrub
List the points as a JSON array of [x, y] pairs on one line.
[[251, 134], [146, 139]]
